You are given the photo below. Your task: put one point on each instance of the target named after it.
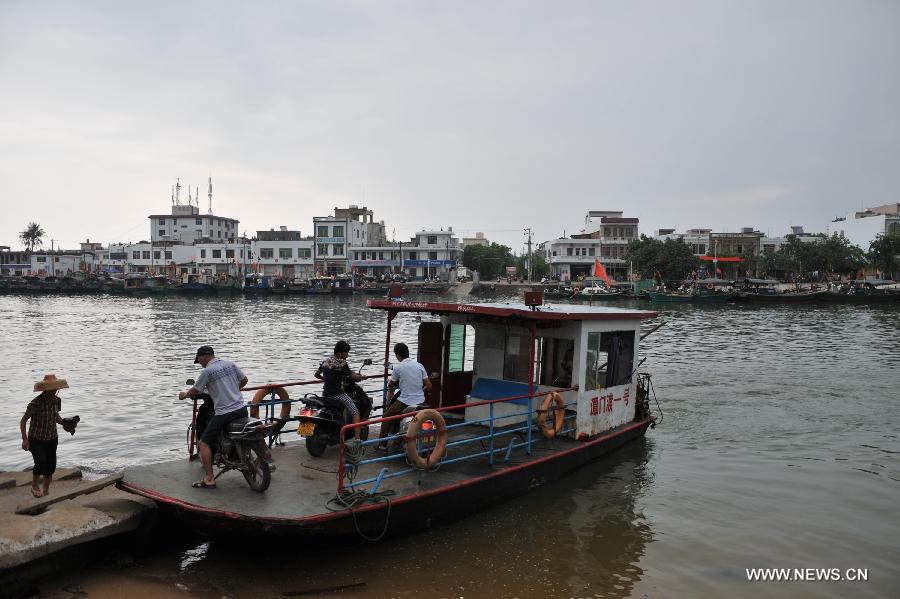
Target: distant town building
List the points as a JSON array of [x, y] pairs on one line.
[[14, 263], [428, 254], [861, 228], [283, 253], [479, 239], [605, 237]]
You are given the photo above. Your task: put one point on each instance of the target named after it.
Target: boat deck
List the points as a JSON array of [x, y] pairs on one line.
[[303, 485]]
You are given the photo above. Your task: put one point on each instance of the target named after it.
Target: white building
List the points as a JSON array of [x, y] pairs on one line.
[[606, 237], [427, 255], [283, 253], [861, 228]]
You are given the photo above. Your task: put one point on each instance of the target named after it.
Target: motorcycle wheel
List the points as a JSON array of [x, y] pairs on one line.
[[315, 445], [255, 469]]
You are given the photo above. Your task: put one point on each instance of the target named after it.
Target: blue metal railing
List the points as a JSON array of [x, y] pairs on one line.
[[492, 435]]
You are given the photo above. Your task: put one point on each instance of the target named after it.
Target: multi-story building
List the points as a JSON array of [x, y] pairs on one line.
[[427, 255], [283, 253], [606, 237], [12, 263], [698, 239]]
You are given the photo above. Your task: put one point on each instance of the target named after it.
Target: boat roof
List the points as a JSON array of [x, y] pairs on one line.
[[514, 310]]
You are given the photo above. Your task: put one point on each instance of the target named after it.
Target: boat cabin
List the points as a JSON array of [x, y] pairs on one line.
[[491, 351]]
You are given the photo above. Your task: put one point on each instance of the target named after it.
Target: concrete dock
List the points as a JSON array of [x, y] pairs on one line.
[[26, 540]]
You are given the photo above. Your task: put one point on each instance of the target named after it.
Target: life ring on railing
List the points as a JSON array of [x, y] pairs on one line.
[[551, 431], [412, 437], [282, 395]]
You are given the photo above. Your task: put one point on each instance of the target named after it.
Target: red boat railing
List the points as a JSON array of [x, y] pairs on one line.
[[268, 404]]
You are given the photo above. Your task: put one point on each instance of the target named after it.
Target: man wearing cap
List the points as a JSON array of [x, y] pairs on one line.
[[223, 380]]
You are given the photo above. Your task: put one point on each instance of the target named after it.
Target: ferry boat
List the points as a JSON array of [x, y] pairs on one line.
[[521, 395]]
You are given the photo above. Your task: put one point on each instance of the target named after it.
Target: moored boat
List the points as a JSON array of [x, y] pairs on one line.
[[526, 413]]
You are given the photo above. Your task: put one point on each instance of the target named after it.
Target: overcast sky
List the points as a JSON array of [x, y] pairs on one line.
[[488, 116]]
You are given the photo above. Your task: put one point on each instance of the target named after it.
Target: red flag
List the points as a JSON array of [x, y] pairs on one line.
[[600, 272]]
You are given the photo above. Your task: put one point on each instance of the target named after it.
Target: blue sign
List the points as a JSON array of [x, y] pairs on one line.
[[329, 240]]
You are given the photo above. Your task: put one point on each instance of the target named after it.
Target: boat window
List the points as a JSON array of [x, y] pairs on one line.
[[596, 363], [462, 345], [516, 357], [610, 359], [556, 362]]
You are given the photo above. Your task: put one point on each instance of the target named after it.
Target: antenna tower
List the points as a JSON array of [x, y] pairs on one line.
[[178, 191], [210, 194]]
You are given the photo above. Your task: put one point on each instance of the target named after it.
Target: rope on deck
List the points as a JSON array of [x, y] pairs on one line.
[[347, 500]]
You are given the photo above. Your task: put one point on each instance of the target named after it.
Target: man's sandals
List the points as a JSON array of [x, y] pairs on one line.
[[202, 484]]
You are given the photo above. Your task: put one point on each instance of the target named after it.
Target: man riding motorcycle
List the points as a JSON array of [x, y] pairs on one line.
[[333, 371]]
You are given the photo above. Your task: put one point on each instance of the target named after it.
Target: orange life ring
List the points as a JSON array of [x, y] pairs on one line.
[[412, 436], [282, 395], [548, 431]]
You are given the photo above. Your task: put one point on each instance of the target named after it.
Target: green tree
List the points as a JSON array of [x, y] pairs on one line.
[[834, 254], [539, 269], [673, 259], [32, 237], [884, 253], [489, 260]]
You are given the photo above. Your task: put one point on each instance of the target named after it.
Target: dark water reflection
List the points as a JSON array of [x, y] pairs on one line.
[[779, 448]]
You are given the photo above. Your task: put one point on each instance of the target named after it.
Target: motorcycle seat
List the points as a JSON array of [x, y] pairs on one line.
[[237, 425]]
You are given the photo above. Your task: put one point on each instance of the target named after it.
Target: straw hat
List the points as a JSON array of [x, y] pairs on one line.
[[51, 383]]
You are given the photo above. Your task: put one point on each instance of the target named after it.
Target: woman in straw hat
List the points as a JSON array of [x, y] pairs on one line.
[[41, 440]]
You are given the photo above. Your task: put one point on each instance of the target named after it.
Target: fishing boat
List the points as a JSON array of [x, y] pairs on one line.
[[257, 284], [861, 292], [342, 285], [227, 285], [766, 291], [521, 395], [195, 285], [320, 286], [597, 292]]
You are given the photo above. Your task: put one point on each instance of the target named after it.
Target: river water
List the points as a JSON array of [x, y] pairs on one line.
[[779, 448]]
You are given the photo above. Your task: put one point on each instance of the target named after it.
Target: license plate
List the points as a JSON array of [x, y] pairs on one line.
[[306, 429]]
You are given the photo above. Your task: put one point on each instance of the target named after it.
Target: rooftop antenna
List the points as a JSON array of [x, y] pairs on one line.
[[173, 194], [189, 195], [178, 191], [210, 194], [197, 197]]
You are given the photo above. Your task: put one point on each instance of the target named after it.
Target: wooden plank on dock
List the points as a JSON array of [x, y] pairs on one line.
[[24, 478], [40, 504]]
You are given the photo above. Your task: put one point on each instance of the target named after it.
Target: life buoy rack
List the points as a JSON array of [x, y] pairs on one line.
[[282, 395], [548, 431], [412, 438]]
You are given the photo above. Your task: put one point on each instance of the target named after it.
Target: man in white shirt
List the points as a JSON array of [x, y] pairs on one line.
[[412, 380]]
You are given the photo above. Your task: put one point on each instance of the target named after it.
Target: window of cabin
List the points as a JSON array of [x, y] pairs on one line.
[[516, 357], [610, 359], [557, 357]]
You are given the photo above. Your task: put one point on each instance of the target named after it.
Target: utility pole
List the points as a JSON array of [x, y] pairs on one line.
[[529, 267]]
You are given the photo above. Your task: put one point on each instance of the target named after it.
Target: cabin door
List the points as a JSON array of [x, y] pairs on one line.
[[456, 381], [431, 356]]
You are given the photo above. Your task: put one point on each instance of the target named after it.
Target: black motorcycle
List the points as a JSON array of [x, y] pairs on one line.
[[322, 418], [241, 446]]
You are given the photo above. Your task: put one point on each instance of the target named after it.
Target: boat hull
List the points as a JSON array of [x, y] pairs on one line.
[[407, 512], [670, 298]]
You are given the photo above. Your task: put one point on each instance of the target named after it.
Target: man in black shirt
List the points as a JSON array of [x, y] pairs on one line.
[[333, 371]]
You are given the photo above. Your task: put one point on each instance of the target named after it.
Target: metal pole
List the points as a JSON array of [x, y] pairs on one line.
[[531, 385]]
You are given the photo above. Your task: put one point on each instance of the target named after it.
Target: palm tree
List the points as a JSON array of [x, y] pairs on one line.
[[32, 236]]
